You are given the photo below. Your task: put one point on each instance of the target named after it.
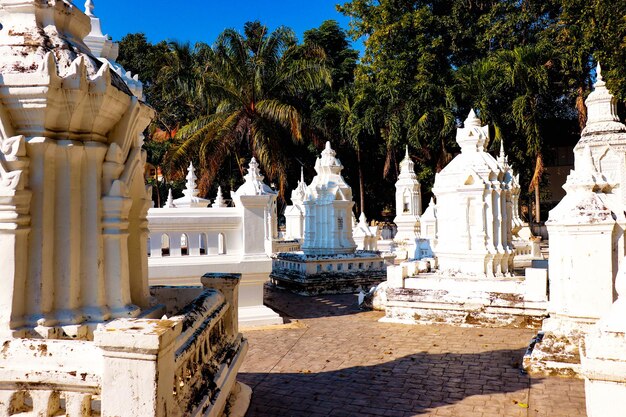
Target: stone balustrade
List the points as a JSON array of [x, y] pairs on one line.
[[182, 365], [197, 232], [186, 242], [527, 249]]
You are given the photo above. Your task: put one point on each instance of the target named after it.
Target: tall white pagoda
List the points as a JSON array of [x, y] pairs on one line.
[[586, 228], [408, 202], [474, 209]]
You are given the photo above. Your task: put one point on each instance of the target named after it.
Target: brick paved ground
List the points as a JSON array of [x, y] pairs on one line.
[[334, 360]]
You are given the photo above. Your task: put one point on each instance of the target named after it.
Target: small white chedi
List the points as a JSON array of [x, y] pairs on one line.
[[474, 209], [586, 229], [81, 332], [365, 236], [408, 210], [329, 261], [190, 193], [188, 239], [294, 214], [469, 229], [328, 209]]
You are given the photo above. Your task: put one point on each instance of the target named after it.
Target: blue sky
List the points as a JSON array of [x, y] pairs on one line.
[[196, 20]]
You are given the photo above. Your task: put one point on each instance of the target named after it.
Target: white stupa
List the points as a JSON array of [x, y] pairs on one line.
[[328, 209], [474, 210], [329, 262]]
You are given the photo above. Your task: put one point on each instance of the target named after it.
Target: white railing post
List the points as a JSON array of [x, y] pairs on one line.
[[138, 377]]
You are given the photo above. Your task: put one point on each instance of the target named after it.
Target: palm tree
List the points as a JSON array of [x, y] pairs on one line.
[[253, 84], [352, 114], [508, 88], [525, 70]]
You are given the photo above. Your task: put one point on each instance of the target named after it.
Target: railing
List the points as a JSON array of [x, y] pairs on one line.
[[527, 249], [50, 378], [200, 349], [183, 365]]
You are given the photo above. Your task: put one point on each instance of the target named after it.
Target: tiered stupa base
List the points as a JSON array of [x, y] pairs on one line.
[[327, 274], [555, 350], [434, 298]]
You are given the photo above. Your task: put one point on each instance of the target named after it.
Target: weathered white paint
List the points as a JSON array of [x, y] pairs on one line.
[[364, 235], [73, 240], [603, 358], [589, 222], [294, 214]]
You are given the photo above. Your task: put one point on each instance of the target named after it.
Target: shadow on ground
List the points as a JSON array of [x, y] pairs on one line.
[[294, 306], [412, 385]]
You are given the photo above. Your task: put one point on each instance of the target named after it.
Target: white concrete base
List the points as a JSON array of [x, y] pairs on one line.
[[432, 298], [258, 316]]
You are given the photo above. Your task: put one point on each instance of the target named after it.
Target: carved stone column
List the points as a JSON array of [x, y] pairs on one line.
[[14, 229], [67, 230], [92, 261], [39, 300], [115, 235]]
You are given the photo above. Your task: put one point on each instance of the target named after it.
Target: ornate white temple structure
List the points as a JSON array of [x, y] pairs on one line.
[[408, 209], [328, 209], [81, 332], [475, 240], [468, 280], [329, 262], [408, 201], [189, 239], [587, 245]]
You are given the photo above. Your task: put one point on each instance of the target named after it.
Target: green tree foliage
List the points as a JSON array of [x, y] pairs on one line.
[[252, 84], [526, 66]]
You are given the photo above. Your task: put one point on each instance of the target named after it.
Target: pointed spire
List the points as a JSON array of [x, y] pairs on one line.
[[472, 136], [253, 171], [191, 187], [253, 183], [407, 168], [219, 199], [601, 109], [190, 198], [599, 80], [472, 119], [302, 174], [502, 158], [89, 6], [170, 200], [328, 163]]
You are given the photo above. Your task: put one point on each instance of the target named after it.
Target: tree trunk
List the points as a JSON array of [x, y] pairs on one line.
[[537, 205], [361, 184]]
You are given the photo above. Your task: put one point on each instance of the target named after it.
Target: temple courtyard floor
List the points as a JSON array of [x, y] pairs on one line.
[[332, 359]]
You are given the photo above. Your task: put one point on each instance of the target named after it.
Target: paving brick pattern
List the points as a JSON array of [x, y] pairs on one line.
[[334, 360]]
